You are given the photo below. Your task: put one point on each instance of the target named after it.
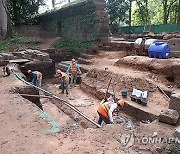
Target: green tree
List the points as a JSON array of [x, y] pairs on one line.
[[117, 11], [156, 12], [23, 11], [143, 11], [168, 5], [5, 26]]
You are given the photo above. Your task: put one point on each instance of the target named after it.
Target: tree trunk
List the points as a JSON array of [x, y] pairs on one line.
[[15, 12], [178, 17], [165, 11], [130, 5], [53, 4], [142, 15], [3, 20]]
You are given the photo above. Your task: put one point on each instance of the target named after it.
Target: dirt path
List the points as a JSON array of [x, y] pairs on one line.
[[48, 43], [22, 128]]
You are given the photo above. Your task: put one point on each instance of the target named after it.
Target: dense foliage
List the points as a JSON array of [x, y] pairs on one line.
[[16, 42], [117, 10], [23, 11], [156, 12], [144, 12], [72, 45]]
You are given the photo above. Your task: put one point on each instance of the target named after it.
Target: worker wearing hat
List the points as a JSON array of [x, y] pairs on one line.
[[106, 109], [36, 77], [74, 70], [64, 80]]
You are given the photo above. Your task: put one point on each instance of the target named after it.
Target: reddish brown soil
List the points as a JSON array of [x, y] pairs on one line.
[[22, 128]]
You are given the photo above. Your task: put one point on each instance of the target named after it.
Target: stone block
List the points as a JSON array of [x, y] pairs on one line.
[[174, 44], [175, 102], [17, 54], [169, 116], [39, 57], [175, 54], [1, 58], [49, 50], [177, 132], [27, 56], [7, 56], [47, 68], [45, 58]]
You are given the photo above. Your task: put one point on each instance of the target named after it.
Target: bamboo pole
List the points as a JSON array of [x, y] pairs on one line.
[[107, 89], [163, 92], [159, 89], [43, 96], [66, 103]]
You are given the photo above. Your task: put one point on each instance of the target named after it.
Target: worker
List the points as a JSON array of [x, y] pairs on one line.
[[74, 70], [106, 109], [36, 77], [64, 81]]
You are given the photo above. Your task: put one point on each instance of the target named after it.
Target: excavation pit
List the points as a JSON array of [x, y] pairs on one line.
[[95, 83]]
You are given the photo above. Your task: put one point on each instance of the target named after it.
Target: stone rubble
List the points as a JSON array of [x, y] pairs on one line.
[[27, 54]]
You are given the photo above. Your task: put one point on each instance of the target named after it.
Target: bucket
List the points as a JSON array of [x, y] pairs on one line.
[[124, 94]]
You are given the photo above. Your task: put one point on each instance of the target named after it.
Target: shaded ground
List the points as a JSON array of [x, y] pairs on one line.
[[22, 128]]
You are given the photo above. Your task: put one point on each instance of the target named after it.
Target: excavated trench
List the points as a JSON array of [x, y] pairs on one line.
[[79, 121], [94, 84], [28, 92]]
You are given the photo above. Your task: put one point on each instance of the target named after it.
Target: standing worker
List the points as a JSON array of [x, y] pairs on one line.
[[37, 77], [64, 81], [106, 109], [74, 70]]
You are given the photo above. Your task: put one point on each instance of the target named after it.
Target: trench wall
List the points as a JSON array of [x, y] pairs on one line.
[[96, 82]]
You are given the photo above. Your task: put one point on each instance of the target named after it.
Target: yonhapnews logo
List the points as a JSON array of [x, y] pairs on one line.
[[127, 140]]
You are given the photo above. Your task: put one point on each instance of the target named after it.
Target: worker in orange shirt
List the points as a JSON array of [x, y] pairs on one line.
[[64, 81], [106, 109], [74, 70], [37, 77]]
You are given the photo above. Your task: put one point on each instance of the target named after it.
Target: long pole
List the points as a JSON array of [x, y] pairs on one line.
[[107, 89], [113, 87], [56, 97], [159, 89], [43, 96]]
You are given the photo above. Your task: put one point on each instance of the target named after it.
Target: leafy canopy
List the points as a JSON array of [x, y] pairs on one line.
[[23, 11]]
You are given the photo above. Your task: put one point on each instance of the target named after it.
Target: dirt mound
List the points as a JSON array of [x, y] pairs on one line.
[[100, 79], [170, 36], [168, 67], [96, 82]]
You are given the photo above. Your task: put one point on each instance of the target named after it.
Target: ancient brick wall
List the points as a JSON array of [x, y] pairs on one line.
[[85, 21]]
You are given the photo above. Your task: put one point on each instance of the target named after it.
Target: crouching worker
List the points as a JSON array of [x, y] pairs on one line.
[[64, 81], [106, 109], [36, 77]]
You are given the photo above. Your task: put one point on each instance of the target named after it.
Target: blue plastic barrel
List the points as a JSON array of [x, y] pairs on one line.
[[160, 50]]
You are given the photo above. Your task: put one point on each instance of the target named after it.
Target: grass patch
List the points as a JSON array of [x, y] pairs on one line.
[[72, 45], [17, 40]]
